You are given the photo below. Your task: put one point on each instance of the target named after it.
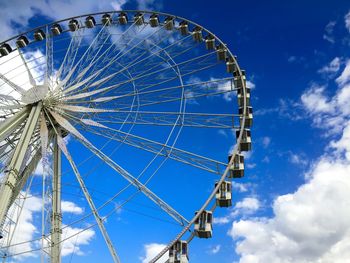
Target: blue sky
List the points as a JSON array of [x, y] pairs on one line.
[[293, 203]]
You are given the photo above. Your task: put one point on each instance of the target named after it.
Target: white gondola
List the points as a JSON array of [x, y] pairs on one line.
[[224, 194], [237, 168], [139, 19], [123, 18], [209, 42], [22, 41], [5, 49], [203, 226], [248, 117], [197, 34], [154, 20], [230, 65], [56, 29], [106, 19], [246, 142], [169, 23], [178, 253], [90, 22], [183, 27], [39, 35], [73, 25], [221, 52], [237, 80]]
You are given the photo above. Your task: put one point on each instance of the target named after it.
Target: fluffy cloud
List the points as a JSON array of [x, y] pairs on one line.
[[315, 101], [332, 67], [73, 245], [214, 250], [329, 112], [70, 207], [345, 76], [27, 229], [328, 35], [151, 250], [297, 158], [266, 141], [247, 206], [347, 21], [15, 15], [311, 224]]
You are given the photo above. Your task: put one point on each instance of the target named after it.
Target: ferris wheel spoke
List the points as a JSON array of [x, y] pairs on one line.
[[126, 175], [176, 154], [28, 170], [98, 218], [197, 120], [69, 58], [142, 74], [16, 160], [149, 74], [8, 126], [92, 52], [94, 61], [11, 84], [30, 76], [166, 95], [49, 59], [192, 91]]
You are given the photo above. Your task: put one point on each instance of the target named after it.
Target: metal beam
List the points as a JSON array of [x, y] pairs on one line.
[[8, 189], [98, 218], [56, 217], [10, 125]]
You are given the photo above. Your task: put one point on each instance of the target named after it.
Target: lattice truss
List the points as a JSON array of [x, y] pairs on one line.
[[120, 88]]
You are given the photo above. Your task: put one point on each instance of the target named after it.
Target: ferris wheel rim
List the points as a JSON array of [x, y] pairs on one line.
[[235, 151]]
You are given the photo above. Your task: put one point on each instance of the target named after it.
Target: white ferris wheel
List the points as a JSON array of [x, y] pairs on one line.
[[125, 100]]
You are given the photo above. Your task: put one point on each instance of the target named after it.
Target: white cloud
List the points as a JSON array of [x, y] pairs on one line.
[[347, 21], [240, 186], [311, 224], [315, 101], [26, 229], [73, 245], [149, 4], [266, 141], [221, 220], [214, 250], [332, 67], [329, 112], [250, 84], [247, 206], [297, 159], [328, 35], [151, 250], [18, 12], [345, 76], [227, 88], [70, 207]]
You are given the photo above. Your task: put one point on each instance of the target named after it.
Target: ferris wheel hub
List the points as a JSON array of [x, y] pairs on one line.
[[35, 94]]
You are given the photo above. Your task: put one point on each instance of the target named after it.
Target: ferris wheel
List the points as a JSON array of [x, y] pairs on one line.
[[129, 101]]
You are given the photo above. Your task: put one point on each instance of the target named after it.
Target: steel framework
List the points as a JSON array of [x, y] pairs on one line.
[[108, 80]]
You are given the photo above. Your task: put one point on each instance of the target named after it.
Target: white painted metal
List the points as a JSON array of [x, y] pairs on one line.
[[11, 124], [12, 176], [98, 218], [56, 216]]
